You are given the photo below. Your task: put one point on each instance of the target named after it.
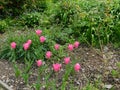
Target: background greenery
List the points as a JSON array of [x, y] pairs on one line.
[[92, 22]]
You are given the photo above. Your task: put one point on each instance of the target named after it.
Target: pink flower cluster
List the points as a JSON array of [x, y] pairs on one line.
[[56, 67], [72, 46], [42, 38], [27, 44]]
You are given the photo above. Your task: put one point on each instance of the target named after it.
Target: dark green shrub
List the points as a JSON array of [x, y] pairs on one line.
[[17, 7], [12, 7]]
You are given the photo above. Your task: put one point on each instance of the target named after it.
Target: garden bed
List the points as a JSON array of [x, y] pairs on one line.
[[60, 45]]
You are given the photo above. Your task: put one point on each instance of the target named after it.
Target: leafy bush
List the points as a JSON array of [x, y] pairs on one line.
[[3, 26], [17, 7], [94, 23], [34, 19], [31, 19], [62, 12], [35, 5]]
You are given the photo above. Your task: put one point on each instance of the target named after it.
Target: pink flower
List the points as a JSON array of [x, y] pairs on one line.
[[39, 63], [13, 45], [67, 60], [26, 46], [42, 39], [77, 67], [38, 32], [29, 42], [56, 67], [48, 54], [70, 47], [76, 44], [57, 46]]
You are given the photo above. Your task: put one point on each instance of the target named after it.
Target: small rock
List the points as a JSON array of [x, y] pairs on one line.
[[62, 70], [43, 78], [83, 70], [21, 82], [78, 83], [44, 63], [10, 68], [7, 80], [117, 80], [87, 53], [43, 86], [104, 57], [106, 49], [108, 86], [3, 77], [11, 86], [110, 68]]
